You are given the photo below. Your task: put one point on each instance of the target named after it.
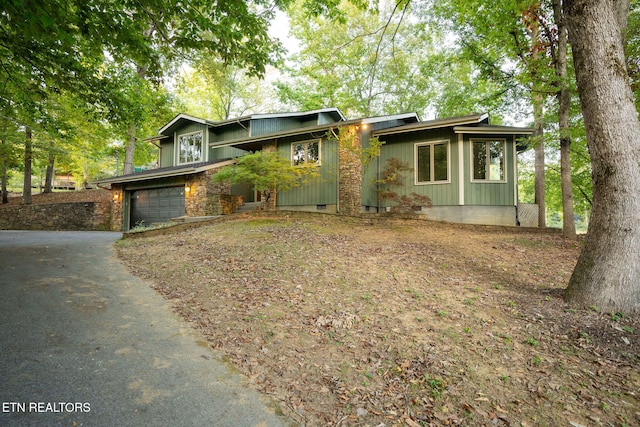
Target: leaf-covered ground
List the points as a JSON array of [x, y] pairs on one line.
[[355, 322]]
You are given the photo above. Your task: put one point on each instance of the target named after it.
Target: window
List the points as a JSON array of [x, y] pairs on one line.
[[190, 146], [488, 160], [305, 153], [432, 162]]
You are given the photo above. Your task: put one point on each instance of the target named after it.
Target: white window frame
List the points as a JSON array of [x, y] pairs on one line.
[[179, 148], [306, 151], [503, 141], [432, 180]]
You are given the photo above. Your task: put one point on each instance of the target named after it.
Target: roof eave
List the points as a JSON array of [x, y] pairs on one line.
[[187, 170], [433, 124]]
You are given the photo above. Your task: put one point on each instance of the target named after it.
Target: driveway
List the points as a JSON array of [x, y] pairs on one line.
[[83, 342]]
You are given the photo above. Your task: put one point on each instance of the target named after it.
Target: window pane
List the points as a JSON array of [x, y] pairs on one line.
[[496, 161], [184, 149], [440, 163], [313, 152], [190, 147], [298, 154], [424, 163], [479, 160]]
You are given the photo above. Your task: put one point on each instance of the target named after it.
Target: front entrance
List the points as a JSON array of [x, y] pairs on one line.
[[156, 205]]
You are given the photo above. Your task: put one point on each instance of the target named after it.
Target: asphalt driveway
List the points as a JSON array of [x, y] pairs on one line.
[[83, 342]]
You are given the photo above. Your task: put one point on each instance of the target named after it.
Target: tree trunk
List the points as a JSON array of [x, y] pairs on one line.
[[3, 155], [607, 274], [131, 130], [564, 111], [5, 195], [130, 149], [537, 100], [26, 187], [538, 118], [48, 179]]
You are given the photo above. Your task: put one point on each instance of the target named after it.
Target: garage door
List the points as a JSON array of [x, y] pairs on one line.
[[156, 205]]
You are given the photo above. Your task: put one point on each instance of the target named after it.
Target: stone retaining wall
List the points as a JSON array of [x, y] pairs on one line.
[[76, 216]]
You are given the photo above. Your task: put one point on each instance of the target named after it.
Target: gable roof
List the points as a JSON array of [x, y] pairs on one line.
[[178, 121]]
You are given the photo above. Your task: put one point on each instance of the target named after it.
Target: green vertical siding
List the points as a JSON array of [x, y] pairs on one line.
[[321, 191], [281, 124], [489, 193], [228, 133], [167, 151], [403, 148], [221, 153]]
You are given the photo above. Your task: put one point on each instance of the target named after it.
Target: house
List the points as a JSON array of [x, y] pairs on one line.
[[465, 166]]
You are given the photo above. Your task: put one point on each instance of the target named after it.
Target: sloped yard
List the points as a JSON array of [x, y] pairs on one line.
[[365, 323]]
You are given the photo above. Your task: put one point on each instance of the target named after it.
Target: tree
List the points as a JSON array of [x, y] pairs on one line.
[[507, 44], [364, 64], [563, 94], [217, 91], [607, 274], [267, 172]]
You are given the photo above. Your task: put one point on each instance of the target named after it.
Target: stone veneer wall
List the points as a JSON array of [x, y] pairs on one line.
[[350, 179], [117, 207], [207, 197], [75, 216]]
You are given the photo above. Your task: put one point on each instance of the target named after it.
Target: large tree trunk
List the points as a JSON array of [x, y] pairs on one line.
[[3, 155], [48, 179], [607, 274], [130, 149], [131, 130], [538, 119], [537, 100], [564, 110], [26, 187]]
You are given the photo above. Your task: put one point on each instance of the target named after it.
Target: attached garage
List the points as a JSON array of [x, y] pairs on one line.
[[154, 205], [159, 195]]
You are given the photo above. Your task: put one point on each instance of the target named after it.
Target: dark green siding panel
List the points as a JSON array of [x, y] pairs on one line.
[[489, 193], [191, 127], [245, 190], [222, 153], [166, 154], [322, 190], [325, 118], [280, 124], [228, 133]]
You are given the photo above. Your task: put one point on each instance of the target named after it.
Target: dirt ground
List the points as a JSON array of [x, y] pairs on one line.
[[351, 322]]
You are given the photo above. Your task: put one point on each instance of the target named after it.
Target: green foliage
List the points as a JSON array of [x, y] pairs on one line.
[[365, 63], [348, 137], [267, 172], [218, 91]]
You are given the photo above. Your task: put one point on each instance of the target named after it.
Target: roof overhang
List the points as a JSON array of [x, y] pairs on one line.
[[434, 124], [494, 130], [179, 119], [165, 173], [332, 110]]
